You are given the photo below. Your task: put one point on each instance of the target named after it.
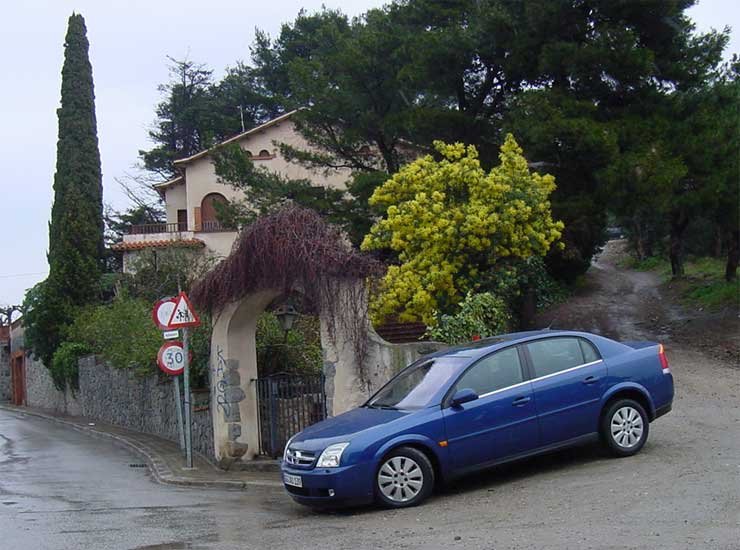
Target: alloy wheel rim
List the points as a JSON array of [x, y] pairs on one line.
[[626, 427], [400, 479]]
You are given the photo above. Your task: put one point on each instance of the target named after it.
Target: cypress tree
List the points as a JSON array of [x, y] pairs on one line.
[[76, 246], [76, 230]]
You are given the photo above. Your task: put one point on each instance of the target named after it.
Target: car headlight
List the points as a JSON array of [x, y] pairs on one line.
[[331, 456], [285, 451]]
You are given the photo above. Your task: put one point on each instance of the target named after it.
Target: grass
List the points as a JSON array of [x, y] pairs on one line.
[[707, 285], [704, 284]]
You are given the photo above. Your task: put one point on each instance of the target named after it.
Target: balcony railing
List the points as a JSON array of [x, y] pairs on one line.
[[151, 228], [206, 226], [212, 226]]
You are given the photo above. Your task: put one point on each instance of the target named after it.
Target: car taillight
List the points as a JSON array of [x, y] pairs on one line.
[[663, 359]]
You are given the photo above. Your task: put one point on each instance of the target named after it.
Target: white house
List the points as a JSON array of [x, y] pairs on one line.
[[190, 196]]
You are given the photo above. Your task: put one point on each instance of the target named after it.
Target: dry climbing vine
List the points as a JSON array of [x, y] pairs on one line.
[[295, 249]]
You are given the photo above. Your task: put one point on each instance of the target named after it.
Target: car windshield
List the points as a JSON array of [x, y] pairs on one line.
[[415, 386]]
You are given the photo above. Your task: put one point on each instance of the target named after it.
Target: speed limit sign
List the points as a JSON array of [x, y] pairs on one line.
[[171, 358]]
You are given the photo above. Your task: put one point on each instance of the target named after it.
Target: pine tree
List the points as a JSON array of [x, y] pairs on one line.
[[76, 245]]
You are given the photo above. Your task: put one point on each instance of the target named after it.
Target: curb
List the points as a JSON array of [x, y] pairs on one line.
[[161, 472]]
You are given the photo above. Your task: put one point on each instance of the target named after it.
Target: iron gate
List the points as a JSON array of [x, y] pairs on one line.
[[287, 403]]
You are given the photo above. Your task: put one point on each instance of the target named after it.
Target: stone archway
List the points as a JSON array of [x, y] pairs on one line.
[[292, 250], [233, 367]]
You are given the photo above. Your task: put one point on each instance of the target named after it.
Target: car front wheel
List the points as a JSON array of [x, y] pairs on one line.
[[625, 427], [405, 478]]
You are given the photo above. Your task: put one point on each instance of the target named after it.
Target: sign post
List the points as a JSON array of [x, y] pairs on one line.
[[186, 390], [178, 411], [171, 315], [183, 317]]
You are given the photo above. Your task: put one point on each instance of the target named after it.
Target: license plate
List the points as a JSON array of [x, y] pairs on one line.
[[295, 481]]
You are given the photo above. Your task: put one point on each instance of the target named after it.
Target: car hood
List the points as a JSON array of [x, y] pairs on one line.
[[344, 427]]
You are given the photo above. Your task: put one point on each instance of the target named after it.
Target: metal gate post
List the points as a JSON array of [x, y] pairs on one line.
[[273, 385]]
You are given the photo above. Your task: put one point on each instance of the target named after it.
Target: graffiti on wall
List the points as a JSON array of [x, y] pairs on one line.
[[228, 392]]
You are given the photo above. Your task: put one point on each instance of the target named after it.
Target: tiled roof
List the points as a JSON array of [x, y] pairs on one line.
[[141, 245], [237, 137], [401, 333], [173, 181]]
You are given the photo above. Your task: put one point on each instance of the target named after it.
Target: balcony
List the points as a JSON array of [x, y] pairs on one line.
[[153, 228], [206, 226], [157, 235]]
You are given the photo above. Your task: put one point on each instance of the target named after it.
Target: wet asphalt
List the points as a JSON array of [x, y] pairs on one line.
[[62, 489]]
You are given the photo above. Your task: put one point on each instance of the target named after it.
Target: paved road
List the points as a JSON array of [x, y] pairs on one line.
[[60, 489]]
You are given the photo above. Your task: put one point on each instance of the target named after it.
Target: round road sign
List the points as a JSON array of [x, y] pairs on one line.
[[163, 311], [171, 359]]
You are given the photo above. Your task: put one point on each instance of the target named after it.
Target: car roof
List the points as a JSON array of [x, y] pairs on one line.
[[492, 343]]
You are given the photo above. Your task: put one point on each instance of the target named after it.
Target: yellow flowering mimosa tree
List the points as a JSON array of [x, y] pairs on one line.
[[449, 220]]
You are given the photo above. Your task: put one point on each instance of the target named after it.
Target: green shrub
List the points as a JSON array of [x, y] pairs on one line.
[[64, 369], [122, 332], [481, 315], [298, 351], [200, 346], [512, 280]]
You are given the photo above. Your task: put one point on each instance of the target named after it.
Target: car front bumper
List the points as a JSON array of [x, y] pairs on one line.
[[327, 487]]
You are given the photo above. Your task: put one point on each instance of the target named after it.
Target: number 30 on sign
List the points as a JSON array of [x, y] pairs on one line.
[[171, 359]]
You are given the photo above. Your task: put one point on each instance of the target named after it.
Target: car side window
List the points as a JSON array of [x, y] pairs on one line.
[[589, 351], [553, 355], [495, 372]]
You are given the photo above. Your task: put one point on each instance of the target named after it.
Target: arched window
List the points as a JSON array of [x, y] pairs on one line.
[[209, 221], [248, 153], [265, 154]]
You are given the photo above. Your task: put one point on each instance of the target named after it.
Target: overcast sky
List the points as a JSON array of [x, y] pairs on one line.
[[129, 43]]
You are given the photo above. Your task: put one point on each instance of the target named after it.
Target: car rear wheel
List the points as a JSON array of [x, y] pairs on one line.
[[625, 427], [405, 478]]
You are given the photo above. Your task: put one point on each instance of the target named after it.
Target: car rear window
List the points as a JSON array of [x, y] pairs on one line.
[[590, 354], [553, 355]]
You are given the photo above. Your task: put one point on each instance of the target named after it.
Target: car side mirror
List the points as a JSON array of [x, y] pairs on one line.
[[463, 396]]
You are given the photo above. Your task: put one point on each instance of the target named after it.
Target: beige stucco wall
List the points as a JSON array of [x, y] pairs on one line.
[[218, 243], [233, 370], [201, 179], [348, 383], [174, 200]]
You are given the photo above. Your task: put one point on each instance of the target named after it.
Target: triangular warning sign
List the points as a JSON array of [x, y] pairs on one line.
[[183, 315]]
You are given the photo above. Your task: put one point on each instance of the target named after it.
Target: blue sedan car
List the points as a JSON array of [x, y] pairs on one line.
[[476, 406]]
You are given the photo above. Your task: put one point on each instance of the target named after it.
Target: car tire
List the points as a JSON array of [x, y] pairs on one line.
[[624, 427], [404, 478]]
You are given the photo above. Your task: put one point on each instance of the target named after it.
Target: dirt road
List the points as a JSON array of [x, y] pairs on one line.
[[635, 305]]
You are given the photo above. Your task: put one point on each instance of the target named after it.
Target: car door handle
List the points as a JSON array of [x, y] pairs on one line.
[[519, 401], [590, 380]]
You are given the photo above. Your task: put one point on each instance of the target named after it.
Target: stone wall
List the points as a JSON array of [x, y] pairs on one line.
[[117, 396], [42, 394], [145, 404]]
